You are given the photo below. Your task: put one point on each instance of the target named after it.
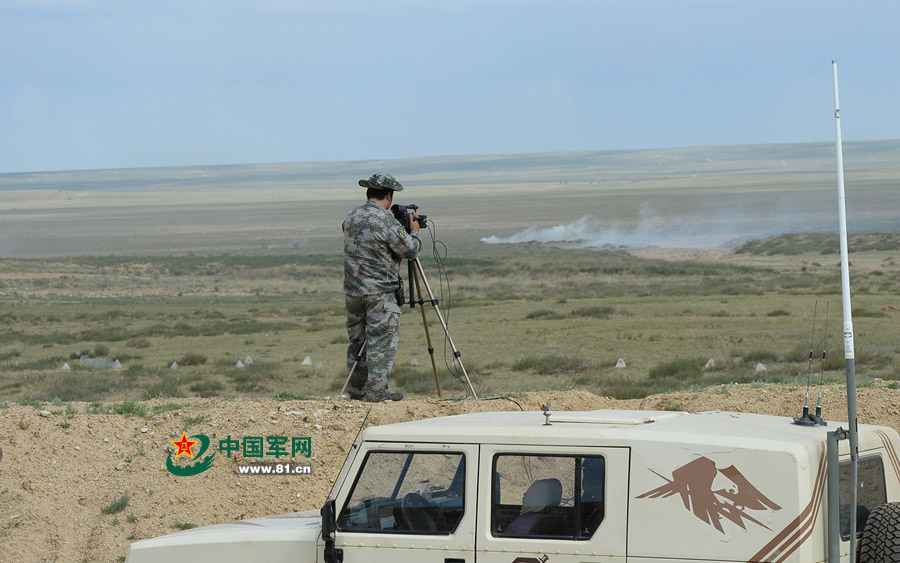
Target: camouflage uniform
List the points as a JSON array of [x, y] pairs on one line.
[[374, 243]]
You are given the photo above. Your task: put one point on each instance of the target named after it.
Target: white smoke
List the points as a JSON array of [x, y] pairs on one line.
[[651, 230], [580, 230]]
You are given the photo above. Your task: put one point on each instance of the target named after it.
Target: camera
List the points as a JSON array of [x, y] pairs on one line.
[[403, 214]]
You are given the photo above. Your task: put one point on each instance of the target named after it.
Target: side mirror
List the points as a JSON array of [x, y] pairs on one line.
[[329, 526]]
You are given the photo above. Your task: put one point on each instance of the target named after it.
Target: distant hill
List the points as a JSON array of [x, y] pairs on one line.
[[690, 197], [572, 166]]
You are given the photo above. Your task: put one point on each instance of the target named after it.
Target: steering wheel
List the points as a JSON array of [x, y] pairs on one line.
[[420, 515]]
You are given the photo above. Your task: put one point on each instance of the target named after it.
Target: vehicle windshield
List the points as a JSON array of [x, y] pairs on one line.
[[406, 492]]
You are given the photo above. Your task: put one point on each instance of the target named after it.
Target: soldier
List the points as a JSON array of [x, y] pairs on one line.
[[374, 244]]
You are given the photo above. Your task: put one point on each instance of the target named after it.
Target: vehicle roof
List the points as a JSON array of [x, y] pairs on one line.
[[628, 427]]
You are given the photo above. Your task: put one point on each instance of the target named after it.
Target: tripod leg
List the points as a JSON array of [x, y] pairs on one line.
[[456, 353], [352, 369], [412, 292], [427, 334]]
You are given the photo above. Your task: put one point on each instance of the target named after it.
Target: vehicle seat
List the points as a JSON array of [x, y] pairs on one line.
[[541, 496]]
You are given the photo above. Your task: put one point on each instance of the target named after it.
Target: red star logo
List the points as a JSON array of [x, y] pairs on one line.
[[184, 445]]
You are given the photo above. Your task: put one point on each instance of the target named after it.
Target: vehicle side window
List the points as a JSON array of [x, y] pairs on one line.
[[547, 496], [406, 492]]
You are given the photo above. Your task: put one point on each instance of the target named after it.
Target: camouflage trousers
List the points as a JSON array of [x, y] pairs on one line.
[[374, 319]]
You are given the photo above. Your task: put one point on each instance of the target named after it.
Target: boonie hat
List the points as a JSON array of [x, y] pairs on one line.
[[382, 182]]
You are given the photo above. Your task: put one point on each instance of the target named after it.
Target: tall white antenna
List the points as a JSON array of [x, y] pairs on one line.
[[849, 358], [842, 218]]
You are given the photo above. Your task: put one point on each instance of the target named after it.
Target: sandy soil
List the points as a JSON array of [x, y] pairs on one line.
[[56, 479]]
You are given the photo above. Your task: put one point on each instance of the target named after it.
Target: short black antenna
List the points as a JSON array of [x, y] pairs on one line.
[[805, 418], [818, 415]]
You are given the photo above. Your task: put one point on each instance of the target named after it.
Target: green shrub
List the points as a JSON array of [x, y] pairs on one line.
[[9, 354], [758, 356], [544, 314], [96, 408], [800, 353], [594, 312], [81, 386], [169, 385], [51, 363], [207, 388], [622, 388], [834, 361], [286, 396], [252, 378], [192, 359], [870, 360], [668, 405], [413, 380], [131, 408], [157, 409], [117, 505], [684, 368], [188, 420], [34, 403], [863, 313], [550, 364]]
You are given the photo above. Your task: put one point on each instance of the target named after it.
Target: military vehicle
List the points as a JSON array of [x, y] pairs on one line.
[[588, 487]]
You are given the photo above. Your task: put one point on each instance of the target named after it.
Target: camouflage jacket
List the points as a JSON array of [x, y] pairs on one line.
[[374, 243]]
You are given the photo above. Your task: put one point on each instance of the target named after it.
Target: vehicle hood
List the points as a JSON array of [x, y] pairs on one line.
[[288, 537]]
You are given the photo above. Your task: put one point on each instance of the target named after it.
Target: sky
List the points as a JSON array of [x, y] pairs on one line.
[[93, 84]]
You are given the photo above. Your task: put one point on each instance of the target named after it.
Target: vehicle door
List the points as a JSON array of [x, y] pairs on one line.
[[547, 504], [405, 502]]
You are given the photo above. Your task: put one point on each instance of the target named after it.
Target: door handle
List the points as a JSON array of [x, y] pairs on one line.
[[454, 561]]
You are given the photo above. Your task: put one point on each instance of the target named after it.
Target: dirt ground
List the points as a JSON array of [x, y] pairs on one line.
[[58, 471]]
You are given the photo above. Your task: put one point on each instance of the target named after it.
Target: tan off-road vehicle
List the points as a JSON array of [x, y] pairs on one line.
[[587, 487]]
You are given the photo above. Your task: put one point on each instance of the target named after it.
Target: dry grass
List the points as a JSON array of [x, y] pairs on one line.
[[247, 262], [527, 318]]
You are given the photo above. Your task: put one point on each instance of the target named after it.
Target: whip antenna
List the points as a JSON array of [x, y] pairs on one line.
[[849, 357], [822, 375], [812, 343], [805, 418]]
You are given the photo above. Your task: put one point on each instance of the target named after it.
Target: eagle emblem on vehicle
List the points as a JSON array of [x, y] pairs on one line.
[[694, 482]]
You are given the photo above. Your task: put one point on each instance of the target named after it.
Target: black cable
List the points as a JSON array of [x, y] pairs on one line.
[[439, 253], [521, 408]]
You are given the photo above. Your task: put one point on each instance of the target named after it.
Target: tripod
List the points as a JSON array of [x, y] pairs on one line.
[[415, 273]]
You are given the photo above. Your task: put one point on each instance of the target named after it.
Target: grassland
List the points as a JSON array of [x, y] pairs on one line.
[[526, 317], [206, 266]]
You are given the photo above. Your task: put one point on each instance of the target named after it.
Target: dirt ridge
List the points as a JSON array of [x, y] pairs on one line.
[[60, 467]]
